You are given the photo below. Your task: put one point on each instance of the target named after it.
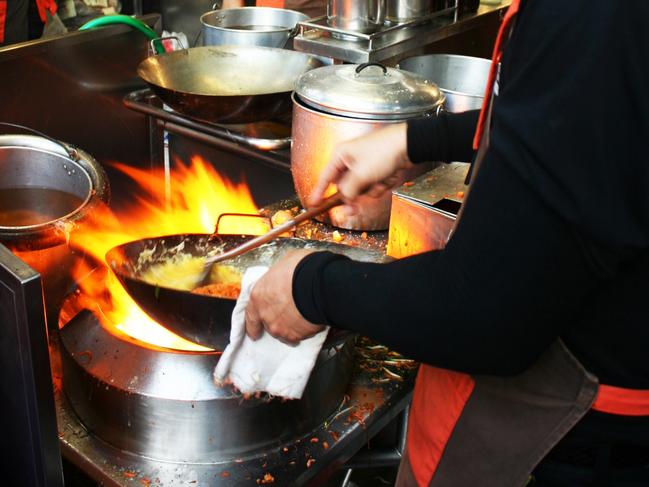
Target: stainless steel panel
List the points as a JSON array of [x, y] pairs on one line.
[[30, 454]]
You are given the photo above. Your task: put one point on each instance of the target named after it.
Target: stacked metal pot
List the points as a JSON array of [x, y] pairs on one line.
[[333, 104]]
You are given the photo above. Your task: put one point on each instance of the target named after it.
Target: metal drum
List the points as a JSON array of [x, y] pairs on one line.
[[462, 79], [162, 403]]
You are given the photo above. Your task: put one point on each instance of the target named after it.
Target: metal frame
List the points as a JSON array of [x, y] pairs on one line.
[[219, 136], [314, 24], [394, 41]]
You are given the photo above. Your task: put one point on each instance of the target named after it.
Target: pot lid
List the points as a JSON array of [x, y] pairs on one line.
[[369, 91]]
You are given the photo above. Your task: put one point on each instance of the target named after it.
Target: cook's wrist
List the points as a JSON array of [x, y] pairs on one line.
[[308, 286]]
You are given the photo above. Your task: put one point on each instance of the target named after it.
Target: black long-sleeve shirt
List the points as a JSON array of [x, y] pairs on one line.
[[554, 238]]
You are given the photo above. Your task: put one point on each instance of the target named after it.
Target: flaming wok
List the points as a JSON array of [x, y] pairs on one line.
[[203, 318]]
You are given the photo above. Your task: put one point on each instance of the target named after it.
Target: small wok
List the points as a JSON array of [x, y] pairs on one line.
[[227, 84], [199, 318]]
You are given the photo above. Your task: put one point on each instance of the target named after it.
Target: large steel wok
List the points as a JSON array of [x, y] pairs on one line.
[[199, 318], [227, 84]]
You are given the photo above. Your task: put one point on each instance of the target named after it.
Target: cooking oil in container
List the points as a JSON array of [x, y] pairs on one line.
[[22, 207]]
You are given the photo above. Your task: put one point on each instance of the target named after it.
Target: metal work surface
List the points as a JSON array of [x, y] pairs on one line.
[[372, 400], [396, 41]]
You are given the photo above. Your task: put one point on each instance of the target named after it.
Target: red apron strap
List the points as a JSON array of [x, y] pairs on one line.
[[3, 19], [45, 6], [437, 404], [495, 61], [270, 3], [623, 402]]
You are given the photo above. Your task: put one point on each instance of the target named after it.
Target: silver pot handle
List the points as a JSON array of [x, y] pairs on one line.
[[70, 151], [216, 6]]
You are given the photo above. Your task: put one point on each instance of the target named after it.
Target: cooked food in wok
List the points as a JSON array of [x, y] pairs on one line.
[[183, 272], [201, 318]]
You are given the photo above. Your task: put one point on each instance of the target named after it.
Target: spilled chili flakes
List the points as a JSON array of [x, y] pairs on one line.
[[225, 474], [285, 450], [335, 435], [313, 440], [310, 462], [146, 482], [129, 474], [325, 445]]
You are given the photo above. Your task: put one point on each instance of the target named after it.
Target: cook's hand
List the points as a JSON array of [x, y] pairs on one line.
[[370, 164], [272, 307]]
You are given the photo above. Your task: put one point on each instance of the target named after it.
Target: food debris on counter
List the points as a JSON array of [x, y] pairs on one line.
[[267, 479], [337, 237]]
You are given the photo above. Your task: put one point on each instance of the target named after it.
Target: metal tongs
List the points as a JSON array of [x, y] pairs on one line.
[[327, 204]]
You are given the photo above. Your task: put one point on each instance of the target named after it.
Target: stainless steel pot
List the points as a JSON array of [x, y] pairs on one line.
[[46, 189], [334, 104], [364, 16], [251, 26], [398, 11], [462, 79]]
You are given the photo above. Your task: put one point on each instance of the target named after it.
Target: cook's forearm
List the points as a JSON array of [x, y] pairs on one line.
[[505, 287], [447, 137]]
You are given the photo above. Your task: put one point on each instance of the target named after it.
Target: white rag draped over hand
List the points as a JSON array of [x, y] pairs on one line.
[[267, 364]]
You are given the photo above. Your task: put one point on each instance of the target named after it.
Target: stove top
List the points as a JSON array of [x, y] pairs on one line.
[[379, 390]]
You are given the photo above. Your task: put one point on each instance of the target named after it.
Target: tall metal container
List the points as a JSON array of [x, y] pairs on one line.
[[46, 189]]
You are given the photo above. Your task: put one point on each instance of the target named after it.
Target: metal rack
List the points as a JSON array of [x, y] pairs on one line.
[[317, 38], [264, 141]]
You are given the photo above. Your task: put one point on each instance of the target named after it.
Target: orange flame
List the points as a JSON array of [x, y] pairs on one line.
[[190, 201]]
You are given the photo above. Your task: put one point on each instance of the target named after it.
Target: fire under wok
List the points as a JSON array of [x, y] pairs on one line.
[[227, 84], [204, 319]]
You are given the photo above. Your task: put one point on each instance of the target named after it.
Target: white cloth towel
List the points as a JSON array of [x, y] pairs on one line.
[[267, 364]]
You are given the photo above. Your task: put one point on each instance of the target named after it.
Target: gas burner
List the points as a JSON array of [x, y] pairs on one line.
[[162, 403]]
